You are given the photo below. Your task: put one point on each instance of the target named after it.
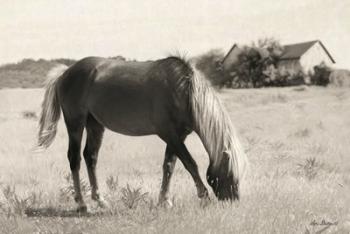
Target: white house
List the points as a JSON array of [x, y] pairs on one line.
[[295, 57], [304, 57]]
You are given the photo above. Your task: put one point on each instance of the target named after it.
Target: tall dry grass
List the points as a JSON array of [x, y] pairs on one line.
[[299, 182]]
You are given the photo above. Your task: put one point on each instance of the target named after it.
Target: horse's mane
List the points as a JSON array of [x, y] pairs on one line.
[[214, 127]]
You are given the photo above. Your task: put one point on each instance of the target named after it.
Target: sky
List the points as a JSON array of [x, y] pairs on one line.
[[154, 29]]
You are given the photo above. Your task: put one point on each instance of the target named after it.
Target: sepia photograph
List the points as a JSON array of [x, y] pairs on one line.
[[159, 116]]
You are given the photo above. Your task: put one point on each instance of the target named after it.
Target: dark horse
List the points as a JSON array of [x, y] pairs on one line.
[[166, 97]]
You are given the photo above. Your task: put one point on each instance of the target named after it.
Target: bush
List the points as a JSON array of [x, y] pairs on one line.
[[278, 78], [256, 65], [340, 78], [296, 79], [210, 64], [251, 66], [321, 75], [29, 115]]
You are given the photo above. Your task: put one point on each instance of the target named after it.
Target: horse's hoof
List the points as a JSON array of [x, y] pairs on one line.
[[167, 204], [82, 209]]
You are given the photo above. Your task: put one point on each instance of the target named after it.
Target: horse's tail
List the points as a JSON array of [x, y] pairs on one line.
[[51, 110]]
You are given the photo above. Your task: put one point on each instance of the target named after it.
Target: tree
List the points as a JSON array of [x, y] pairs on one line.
[[272, 46], [253, 67], [321, 75], [210, 64]]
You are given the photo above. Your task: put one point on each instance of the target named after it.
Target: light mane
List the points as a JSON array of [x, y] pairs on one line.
[[214, 127]]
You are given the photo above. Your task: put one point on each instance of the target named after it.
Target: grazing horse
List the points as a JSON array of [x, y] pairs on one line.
[[167, 97]]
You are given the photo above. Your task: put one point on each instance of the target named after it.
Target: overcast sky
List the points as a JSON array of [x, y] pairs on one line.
[[153, 29]]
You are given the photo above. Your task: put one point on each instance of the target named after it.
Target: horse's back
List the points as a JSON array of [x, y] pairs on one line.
[[91, 71]]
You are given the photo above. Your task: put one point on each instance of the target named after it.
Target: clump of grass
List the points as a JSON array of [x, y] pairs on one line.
[[281, 98], [310, 168], [112, 183], [131, 197], [305, 132], [16, 205], [29, 115], [67, 191]]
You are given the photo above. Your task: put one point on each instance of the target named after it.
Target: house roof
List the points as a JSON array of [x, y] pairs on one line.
[[232, 56], [235, 46], [295, 51]]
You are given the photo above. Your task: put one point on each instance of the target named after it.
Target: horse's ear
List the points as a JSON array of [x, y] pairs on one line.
[[226, 154]]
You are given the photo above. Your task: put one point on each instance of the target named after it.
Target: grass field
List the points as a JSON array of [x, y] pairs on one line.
[[297, 141]]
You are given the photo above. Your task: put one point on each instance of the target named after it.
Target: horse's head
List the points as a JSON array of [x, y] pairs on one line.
[[221, 178]]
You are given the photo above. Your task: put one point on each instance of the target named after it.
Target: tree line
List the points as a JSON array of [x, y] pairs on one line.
[[256, 66]]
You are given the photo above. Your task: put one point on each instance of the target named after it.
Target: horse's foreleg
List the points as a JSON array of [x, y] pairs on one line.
[[93, 143], [191, 166], [75, 134], [168, 169]]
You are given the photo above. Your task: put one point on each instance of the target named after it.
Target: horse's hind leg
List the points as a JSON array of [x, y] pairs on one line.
[[94, 136], [75, 131], [168, 169]]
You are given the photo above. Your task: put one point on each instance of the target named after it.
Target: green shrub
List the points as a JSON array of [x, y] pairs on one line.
[[340, 78]]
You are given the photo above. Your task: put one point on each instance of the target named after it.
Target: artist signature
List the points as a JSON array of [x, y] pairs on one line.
[[323, 223]]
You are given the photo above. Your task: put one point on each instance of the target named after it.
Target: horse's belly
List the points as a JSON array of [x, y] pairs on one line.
[[126, 114], [125, 123], [131, 128]]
